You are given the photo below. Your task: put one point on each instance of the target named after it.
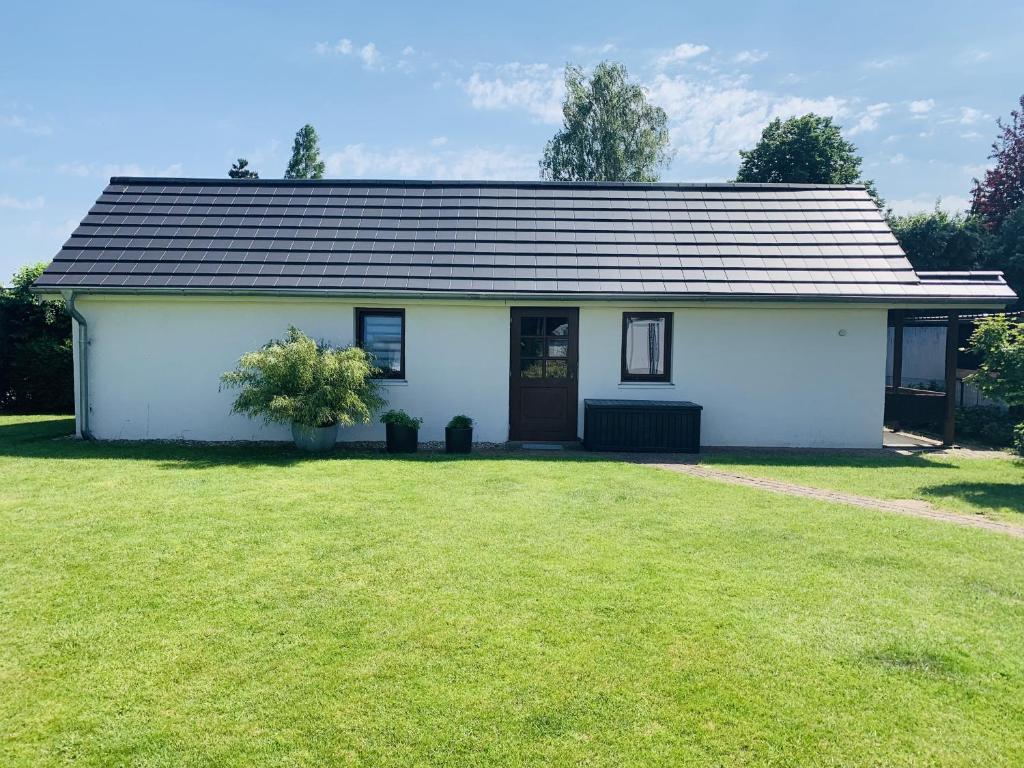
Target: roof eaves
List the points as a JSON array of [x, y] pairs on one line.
[[488, 183]]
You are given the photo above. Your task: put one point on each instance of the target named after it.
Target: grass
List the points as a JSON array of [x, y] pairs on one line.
[[169, 605], [993, 487]]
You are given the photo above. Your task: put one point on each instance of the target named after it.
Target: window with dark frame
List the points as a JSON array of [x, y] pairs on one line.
[[647, 346], [381, 332]]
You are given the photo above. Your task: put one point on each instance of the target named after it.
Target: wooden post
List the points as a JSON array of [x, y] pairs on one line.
[[897, 349], [952, 342]]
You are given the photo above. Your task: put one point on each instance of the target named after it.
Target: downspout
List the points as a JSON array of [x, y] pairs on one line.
[[83, 368]]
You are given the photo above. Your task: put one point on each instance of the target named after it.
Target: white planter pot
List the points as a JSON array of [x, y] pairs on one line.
[[314, 438]]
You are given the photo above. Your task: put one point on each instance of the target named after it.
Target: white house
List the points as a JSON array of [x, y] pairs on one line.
[[512, 302]]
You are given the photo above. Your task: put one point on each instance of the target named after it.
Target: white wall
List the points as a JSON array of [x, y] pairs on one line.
[[924, 353], [766, 375], [154, 364]]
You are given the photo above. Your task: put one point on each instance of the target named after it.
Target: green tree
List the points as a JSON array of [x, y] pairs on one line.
[[941, 241], [241, 170], [36, 373], [1005, 252], [1000, 344], [609, 131], [305, 162], [803, 150]]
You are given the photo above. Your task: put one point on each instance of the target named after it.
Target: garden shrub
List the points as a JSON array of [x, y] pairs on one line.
[[988, 424], [299, 381], [36, 368]]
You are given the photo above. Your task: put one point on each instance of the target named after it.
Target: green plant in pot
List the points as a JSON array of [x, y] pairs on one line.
[[458, 435], [403, 431], [312, 386]]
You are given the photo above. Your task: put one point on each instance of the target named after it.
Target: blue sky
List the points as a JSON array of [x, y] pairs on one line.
[[472, 90]]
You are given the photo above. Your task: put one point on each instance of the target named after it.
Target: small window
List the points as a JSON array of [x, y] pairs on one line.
[[381, 332], [646, 346]]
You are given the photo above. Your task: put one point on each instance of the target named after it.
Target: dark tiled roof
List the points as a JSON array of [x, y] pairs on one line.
[[499, 238]]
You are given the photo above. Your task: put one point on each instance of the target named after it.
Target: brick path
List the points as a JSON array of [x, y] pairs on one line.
[[902, 506]]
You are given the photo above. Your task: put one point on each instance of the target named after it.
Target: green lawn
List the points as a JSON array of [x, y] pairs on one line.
[[993, 487], [166, 605]]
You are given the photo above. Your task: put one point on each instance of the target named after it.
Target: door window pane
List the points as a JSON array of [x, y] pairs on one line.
[[531, 347], [557, 369], [558, 349], [531, 326], [646, 346], [531, 369], [558, 326]]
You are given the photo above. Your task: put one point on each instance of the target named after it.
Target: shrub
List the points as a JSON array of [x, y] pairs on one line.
[[1000, 344], [986, 423], [1018, 438], [297, 380], [36, 372], [460, 422], [402, 419]]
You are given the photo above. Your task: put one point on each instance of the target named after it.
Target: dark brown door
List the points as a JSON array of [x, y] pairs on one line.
[[543, 381]]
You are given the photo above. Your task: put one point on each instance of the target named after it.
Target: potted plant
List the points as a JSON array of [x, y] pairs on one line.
[[458, 435], [312, 386], [403, 431]]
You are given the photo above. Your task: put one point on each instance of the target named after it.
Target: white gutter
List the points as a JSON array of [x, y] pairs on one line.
[[938, 301]]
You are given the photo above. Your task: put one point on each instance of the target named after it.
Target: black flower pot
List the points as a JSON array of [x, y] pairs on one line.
[[401, 439], [458, 440]]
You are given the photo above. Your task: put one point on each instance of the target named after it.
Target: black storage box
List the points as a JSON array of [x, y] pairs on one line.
[[641, 425]]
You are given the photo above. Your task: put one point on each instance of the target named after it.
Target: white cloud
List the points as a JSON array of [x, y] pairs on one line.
[[26, 125], [682, 53], [536, 88], [361, 161], [868, 121], [439, 141], [370, 55], [590, 51], [898, 159], [886, 63], [408, 50], [970, 115], [106, 170], [924, 203], [712, 121], [750, 57], [976, 55], [74, 169], [971, 135], [921, 107], [974, 171], [18, 204]]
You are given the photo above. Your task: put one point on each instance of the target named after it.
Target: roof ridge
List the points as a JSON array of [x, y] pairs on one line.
[[188, 180]]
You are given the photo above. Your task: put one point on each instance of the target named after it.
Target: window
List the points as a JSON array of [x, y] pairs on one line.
[[646, 346], [381, 332], [544, 347]]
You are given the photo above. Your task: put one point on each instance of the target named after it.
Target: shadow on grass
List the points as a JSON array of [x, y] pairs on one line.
[[825, 457], [987, 495], [54, 439]]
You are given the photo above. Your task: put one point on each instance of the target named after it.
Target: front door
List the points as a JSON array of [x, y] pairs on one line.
[[543, 381]]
